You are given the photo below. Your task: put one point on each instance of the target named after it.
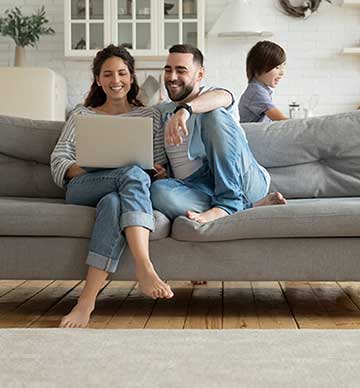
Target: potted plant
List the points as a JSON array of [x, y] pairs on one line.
[[25, 30]]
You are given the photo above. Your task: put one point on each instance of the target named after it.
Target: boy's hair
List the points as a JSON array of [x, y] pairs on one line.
[[188, 49], [263, 57]]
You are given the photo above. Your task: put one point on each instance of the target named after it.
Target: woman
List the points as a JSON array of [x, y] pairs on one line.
[[121, 195]]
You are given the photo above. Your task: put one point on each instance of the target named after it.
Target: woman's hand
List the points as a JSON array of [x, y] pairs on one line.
[[176, 127], [74, 171], [160, 172]]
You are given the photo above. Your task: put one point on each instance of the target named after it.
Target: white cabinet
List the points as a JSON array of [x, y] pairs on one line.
[[181, 21], [146, 27]]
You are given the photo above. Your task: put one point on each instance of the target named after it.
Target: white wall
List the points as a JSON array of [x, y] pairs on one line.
[[315, 63]]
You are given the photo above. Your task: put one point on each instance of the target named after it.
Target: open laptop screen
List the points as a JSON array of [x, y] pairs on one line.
[[106, 141]]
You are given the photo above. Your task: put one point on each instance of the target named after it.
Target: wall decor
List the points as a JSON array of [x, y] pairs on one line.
[[304, 10]]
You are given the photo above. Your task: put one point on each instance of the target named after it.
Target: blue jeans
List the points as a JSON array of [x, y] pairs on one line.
[[230, 177], [122, 199]]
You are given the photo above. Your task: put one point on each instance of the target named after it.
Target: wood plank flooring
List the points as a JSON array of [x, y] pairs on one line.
[[215, 305]]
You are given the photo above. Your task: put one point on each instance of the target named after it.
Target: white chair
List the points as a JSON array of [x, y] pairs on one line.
[[34, 93]]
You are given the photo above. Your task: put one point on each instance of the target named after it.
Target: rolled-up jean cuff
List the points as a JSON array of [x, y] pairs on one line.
[[137, 219], [248, 205], [102, 262]]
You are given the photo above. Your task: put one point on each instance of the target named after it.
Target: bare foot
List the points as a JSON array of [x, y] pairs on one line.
[[79, 316], [207, 216], [151, 285], [275, 198]]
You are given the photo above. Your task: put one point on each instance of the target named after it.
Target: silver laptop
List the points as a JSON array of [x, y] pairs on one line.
[[111, 141]]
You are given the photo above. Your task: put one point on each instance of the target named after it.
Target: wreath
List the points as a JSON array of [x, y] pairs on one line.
[[301, 11]]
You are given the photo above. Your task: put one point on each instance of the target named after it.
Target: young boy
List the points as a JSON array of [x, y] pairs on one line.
[[264, 68]]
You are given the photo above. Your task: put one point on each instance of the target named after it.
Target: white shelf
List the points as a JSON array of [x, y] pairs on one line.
[[351, 50], [351, 3]]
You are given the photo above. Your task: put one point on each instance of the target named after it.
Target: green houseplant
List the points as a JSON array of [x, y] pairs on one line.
[[25, 30]]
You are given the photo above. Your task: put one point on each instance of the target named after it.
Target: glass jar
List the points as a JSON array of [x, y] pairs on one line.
[[294, 110]]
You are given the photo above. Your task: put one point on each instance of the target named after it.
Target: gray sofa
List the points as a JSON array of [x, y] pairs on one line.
[[314, 162]]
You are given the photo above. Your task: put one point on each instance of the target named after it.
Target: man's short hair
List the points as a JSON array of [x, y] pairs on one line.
[[188, 49], [263, 57]]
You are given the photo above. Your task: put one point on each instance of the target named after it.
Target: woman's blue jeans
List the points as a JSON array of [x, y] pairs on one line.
[[122, 198], [230, 177]]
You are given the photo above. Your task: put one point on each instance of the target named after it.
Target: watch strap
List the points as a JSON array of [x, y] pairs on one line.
[[183, 105]]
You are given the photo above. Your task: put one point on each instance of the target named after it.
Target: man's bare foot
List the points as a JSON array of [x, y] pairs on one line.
[[275, 198], [151, 285], [79, 316], [207, 216]]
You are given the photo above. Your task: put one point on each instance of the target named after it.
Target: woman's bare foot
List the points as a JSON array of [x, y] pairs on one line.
[[275, 198], [151, 285], [207, 216], [79, 316]]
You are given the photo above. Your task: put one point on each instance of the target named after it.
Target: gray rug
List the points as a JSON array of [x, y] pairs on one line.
[[46, 358]]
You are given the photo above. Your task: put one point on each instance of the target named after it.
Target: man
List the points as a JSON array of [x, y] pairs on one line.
[[215, 173]]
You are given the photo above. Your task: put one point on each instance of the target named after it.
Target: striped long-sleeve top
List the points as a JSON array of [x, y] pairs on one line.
[[64, 155]]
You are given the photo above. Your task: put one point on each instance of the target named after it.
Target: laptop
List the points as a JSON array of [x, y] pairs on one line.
[[105, 141]]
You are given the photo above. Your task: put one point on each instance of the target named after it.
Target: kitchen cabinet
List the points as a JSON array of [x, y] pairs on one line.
[[146, 27]]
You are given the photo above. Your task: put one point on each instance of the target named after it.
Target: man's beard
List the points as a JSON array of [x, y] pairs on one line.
[[182, 95]]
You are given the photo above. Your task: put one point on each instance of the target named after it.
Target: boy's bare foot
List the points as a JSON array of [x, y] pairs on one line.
[[79, 316], [275, 198], [151, 285], [207, 216]]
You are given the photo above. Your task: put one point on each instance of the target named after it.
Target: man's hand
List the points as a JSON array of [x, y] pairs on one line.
[[160, 171], [176, 127]]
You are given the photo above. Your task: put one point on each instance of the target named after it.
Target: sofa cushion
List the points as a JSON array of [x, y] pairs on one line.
[[320, 217], [28, 139], [315, 157], [25, 148], [27, 178], [49, 217]]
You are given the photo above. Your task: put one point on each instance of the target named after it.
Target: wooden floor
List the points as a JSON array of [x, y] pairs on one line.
[[215, 305]]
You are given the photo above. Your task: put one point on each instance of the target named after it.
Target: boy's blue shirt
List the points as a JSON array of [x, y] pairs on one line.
[[254, 102]]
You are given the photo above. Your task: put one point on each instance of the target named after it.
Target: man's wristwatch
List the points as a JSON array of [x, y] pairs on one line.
[[183, 105]]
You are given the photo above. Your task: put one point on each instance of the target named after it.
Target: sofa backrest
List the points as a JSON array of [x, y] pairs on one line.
[[315, 157], [25, 148]]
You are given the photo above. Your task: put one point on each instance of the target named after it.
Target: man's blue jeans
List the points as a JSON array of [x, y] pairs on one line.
[[230, 177], [122, 199]]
